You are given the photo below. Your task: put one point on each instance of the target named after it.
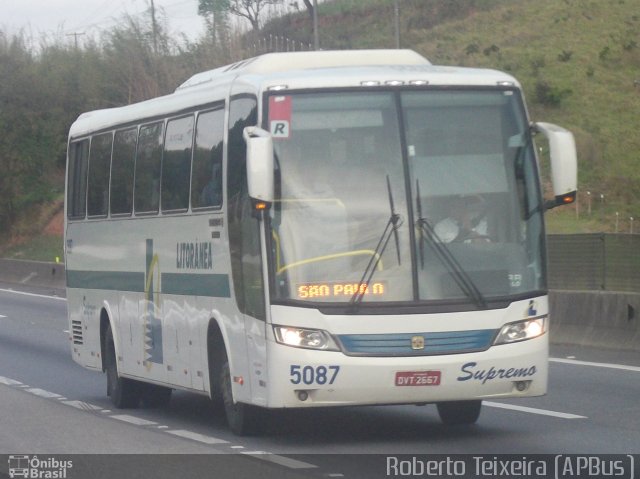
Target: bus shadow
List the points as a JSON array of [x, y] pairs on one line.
[[363, 425], [331, 426]]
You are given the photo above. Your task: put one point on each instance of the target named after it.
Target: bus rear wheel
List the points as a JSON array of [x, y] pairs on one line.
[[459, 412], [243, 419], [124, 393]]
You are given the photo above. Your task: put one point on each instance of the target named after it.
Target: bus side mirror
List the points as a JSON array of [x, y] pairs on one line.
[[260, 177], [564, 164]]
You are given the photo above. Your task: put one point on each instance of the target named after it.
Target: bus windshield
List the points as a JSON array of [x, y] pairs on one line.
[[455, 169]]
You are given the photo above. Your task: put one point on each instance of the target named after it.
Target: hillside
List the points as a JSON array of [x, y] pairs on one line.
[[578, 60]]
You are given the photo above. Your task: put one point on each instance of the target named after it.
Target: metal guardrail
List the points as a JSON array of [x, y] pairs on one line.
[[594, 262]]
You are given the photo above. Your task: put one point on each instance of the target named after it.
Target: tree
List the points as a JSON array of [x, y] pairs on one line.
[[250, 9], [31, 130], [215, 14], [129, 50]]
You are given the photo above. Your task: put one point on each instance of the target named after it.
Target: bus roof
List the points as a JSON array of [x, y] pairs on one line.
[[293, 70], [291, 61]]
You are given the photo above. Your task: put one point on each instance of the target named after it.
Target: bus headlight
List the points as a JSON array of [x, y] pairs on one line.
[[522, 330], [305, 338]]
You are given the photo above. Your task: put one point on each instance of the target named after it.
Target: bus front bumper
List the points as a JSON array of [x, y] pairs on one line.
[[302, 378]]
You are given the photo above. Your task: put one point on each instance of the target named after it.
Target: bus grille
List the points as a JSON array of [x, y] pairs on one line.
[[76, 329], [408, 344]]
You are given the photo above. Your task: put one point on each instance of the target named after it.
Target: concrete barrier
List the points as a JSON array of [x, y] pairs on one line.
[[32, 273], [595, 318]]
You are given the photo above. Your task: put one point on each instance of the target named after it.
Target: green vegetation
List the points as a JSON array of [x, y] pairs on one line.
[[578, 61], [37, 248]]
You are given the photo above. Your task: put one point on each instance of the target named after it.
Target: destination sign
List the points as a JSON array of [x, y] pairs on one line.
[[339, 290]]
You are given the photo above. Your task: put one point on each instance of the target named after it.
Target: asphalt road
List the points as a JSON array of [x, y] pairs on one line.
[[50, 405]]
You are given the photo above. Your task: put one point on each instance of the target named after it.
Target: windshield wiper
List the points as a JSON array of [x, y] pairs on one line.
[[393, 224], [460, 276]]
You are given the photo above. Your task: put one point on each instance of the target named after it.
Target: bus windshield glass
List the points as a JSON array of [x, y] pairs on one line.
[[434, 193]]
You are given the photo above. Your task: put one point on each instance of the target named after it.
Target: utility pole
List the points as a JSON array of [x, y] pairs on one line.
[[316, 39], [396, 14], [75, 38], [154, 28]]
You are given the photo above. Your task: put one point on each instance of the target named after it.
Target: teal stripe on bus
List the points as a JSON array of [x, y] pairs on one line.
[[215, 285], [110, 280], [212, 285]]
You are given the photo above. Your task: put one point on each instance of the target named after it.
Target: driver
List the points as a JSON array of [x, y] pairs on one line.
[[466, 221]]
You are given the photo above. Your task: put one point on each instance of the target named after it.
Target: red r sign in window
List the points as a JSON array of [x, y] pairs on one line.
[[280, 116]]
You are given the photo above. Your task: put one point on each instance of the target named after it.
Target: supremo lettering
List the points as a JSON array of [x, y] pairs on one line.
[[484, 375], [194, 255]]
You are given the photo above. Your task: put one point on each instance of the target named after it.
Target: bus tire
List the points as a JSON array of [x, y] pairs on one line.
[[155, 396], [124, 393], [459, 412], [243, 419], [216, 357]]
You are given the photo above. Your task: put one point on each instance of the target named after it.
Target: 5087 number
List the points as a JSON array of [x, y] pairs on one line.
[[309, 375]]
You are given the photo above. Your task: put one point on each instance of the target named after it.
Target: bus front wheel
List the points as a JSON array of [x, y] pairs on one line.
[[124, 393], [459, 412], [243, 419]]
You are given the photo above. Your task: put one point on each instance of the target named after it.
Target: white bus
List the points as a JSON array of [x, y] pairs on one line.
[[315, 229]]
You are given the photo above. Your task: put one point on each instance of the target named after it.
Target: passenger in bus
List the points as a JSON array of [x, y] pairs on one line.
[[212, 192], [466, 221]]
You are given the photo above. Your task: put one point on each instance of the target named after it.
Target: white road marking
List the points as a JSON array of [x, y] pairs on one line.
[[44, 394], [2, 316], [532, 410], [83, 406], [280, 460], [210, 440], [28, 277], [138, 421], [197, 437], [9, 382], [32, 294], [598, 365]]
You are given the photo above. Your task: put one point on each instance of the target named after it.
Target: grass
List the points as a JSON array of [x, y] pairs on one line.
[[601, 219], [38, 248]]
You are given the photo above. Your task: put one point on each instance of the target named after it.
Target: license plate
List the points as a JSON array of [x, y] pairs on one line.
[[418, 378]]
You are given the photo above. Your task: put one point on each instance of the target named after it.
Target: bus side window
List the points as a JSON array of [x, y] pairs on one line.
[[122, 168], [206, 183], [147, 177], [176, 164], [77, 180], [99, 168]]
